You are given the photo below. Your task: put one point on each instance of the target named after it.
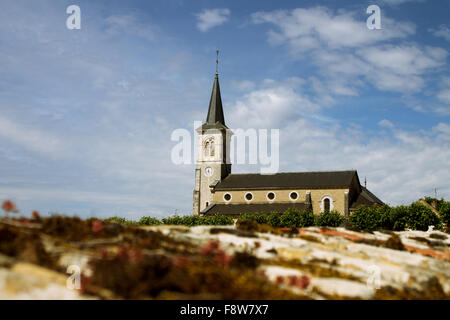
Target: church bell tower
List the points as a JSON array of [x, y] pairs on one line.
[[213, 163]]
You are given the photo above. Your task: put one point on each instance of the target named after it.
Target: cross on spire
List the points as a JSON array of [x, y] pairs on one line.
[[217, 61]]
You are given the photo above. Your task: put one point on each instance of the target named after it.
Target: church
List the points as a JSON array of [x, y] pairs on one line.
[[218, 191]]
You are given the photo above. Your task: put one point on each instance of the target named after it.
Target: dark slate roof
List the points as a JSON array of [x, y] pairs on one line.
[[290, 180], [365, 198], [264, 208], [215, 111]]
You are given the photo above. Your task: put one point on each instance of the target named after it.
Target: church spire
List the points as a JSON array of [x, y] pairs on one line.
[[215, 111]]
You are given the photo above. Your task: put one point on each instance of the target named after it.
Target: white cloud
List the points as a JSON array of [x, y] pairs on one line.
[[439, 109], [32, 139], [320, 90], [398, 2], [399, 68], [391, 68], [128, 24], [443, 31], [313, 28], [443, 131], [386, 123], [271, 105], [348, 54], [210, 18], [245, 85], [444, 96], [404, 60]]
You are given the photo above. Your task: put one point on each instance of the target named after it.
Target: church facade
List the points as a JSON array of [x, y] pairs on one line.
[[218, 191]]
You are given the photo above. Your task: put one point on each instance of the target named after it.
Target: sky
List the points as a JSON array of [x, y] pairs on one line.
[[86, 116]]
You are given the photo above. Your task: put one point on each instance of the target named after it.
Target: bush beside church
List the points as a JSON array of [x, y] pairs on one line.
[[415, 216]]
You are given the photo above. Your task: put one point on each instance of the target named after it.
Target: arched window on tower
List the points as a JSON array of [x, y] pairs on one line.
[[211, 148], [208, 147]]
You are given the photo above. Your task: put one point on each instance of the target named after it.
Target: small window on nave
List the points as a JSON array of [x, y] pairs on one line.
[[326, 205]]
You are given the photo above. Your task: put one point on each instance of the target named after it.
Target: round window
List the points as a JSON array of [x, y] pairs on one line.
[[293, 195], [227, 197], [271, 196], [249, 196]]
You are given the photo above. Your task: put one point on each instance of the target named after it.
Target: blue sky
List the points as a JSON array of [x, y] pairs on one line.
[[86, 115]]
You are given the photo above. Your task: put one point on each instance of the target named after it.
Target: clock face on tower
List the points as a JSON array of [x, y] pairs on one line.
[[209, 171]]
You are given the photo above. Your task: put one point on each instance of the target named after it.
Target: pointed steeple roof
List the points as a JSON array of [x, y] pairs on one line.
[[215, 111]]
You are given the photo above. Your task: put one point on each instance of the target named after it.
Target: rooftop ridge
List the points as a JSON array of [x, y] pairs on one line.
[[291, 172]]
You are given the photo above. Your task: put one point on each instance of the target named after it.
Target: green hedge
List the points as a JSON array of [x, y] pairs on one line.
[[445, 213], [365, 218], [416, 217], [216, 220], [420, 217], [274, 220], [291, 218], [329, 219], [149, 221], [122, 221], [398, 217], [257, 217]]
